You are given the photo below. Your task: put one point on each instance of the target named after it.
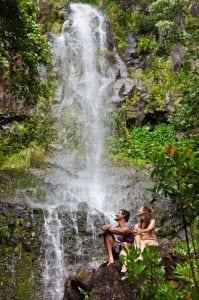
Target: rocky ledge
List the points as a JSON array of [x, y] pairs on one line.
[[101, 284], [107, 282]]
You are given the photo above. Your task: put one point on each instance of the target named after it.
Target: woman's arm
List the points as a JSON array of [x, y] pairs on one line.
[[136, 229], [149, 228]]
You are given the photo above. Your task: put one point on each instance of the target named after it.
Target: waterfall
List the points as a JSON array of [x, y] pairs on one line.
[[81, 189], [82, 97], [54, 264]]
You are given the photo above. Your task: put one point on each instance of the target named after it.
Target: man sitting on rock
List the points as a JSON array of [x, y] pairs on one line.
[[118, 239]]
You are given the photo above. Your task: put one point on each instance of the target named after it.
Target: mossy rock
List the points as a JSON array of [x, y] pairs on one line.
[[20, 252]]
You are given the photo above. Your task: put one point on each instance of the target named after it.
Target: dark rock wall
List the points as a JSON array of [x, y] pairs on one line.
[[21, 255]]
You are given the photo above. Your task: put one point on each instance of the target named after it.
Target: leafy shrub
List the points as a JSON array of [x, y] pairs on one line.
[[140, 22], [24, 48], [146, 273], [141, 145], [146, 44], [176, 175], [119, 17]]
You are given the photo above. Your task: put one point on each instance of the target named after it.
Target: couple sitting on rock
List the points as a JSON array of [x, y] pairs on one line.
[[120, 238]]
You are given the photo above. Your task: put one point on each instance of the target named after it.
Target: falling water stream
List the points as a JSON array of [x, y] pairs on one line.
[[83, 69], [81, 184]]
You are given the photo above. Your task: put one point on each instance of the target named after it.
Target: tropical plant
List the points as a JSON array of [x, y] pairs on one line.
[[146, 272], [176, 173]]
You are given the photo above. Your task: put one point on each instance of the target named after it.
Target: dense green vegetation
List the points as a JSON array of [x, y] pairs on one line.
[[27, 124], [23, 48], [171, 83], [176, 175], [149, 275], [140, 145]]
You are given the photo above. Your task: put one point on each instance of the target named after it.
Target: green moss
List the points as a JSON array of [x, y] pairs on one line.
[[23, 278], [81, 275], [24, 143], [4, 230], [13, 179], [161, 83], [56, 27], [19, 272], [23, 159]]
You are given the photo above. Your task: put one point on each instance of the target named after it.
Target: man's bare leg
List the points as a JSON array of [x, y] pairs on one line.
[[124, 252], [109, 243]]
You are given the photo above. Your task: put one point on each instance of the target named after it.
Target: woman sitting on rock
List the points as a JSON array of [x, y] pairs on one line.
[[144, 231]]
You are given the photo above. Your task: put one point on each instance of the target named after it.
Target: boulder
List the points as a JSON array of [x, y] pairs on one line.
[[105, 283], [123, 85]]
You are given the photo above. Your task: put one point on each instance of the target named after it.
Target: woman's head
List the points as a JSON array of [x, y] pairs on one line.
[[144, 210], [145, 215]]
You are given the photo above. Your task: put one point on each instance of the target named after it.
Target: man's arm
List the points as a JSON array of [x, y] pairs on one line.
[[116, 230], [122, 231]]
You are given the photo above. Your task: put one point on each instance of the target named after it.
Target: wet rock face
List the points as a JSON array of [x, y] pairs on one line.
[[177, 56], [20, 252], [123, 85], [44, 10], [105, 283], [132, 59], [195, 9], [80, 240]]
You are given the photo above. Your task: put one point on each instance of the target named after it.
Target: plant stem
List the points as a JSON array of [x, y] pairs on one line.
[[194, 248], [188, 249]]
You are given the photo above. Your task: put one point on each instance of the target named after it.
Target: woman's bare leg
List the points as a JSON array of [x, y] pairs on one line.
[[137, 237], [137, 241], [143, 244]]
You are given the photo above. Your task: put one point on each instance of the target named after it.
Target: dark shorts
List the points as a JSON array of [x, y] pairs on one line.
[[116, 251]]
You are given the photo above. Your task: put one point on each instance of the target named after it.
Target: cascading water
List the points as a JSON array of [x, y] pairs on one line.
[[54, 264], [82, 190], [80, 50]]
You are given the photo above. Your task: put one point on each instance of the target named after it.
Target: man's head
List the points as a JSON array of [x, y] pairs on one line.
[[122, 214]]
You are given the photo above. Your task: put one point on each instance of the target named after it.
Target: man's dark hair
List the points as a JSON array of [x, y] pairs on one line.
[[126, 214]]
